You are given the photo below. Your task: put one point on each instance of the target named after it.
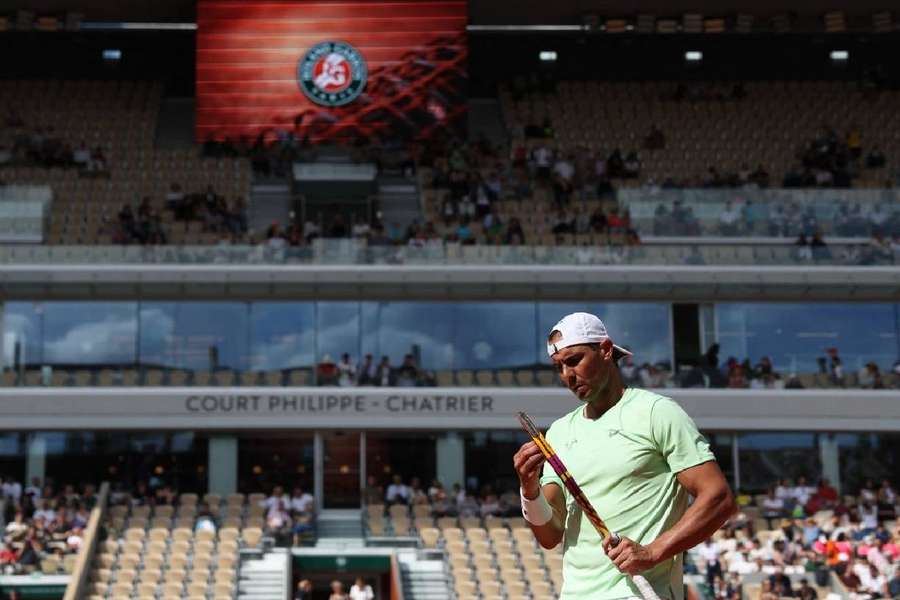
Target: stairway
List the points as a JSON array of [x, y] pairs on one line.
[[398, 199], [423, 577], [339, 529], [486, 118], [265, 576], [269, 202]]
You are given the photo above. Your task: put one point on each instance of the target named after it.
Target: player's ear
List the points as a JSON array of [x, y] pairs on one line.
[[606, 349]]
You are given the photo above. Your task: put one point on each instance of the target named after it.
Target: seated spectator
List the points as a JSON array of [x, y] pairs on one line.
[[875, 159], [870, 377], [304, 590], [278, 523], [416, 494], [772, 506], [373, 493], [397, 492], [97, 162], [631, 166], [729, 220], [81, 155]]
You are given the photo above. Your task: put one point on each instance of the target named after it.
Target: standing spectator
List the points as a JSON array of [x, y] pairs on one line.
[[384, 374], [710, 552], [304, 590], [408, 373], [327, 372], [346, 372], [337, 591], [367, 371], [361, 590]]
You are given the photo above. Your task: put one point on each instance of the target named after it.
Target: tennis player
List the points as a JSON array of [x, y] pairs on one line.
[[637, 456]]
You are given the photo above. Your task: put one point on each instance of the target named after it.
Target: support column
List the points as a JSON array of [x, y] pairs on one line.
[[319, 470], [222, 469], [451, 460], [736, 460], [36, 460], [830, 457]]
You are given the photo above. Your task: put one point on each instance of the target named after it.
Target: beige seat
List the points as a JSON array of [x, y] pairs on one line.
[[252, 536]]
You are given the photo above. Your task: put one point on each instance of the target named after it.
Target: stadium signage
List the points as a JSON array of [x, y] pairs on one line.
[[332, 73], [339, 403]]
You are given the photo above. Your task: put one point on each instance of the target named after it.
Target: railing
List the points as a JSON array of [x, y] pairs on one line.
[[75, 588], [767, 212], [358, 252]]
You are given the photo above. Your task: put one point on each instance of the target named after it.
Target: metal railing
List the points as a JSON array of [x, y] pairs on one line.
[[358, 252]]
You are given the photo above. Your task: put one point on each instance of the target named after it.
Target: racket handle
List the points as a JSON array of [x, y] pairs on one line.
[[640, 582]]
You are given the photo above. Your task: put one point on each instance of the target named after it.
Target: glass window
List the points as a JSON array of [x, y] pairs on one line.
[[22, 333], [406, 454], [13, 452], [90, 333], [489, 459], [794, 335], [337, 330], [178, 459], [395, 329], [493, 335], [266, 460], [642, 327], [722, 445], [863, 456], [282, 335], [194, 335], [767, 457]]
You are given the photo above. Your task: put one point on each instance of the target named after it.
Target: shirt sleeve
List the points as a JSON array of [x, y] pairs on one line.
[[676, 436]]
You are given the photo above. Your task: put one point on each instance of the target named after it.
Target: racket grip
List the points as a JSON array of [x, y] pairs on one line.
[[640, 582], [644, 587]]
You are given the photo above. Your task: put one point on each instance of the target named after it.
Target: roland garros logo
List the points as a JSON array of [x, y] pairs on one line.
[[332, 73]]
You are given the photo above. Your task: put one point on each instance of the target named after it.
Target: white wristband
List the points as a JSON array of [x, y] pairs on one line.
[[538, 511]]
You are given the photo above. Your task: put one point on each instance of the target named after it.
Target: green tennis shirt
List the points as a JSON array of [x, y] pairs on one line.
[[625, 462]]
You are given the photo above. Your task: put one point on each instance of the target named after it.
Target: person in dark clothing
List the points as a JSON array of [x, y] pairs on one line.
[[304, 590]]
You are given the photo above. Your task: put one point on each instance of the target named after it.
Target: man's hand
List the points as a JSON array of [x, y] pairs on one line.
[[629, 557], [529, 462]]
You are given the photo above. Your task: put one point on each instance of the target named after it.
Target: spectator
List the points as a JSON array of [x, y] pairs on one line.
[[408, 372], [384, 374], [278, 523], [337, 591], [361, 590], [367, 371], [81, 156], [346, 372], [373, 493], [870, 377], [304, 590], [772, 506], [806, 591], [327, 372], [397, 492], [709, 551]]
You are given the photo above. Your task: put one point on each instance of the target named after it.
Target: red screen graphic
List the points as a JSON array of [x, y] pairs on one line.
[[382, 69]]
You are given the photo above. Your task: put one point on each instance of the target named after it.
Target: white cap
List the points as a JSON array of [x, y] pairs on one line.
[[582, 328]]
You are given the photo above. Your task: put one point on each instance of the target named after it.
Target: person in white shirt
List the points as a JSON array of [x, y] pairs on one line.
[[34, 489], [709, 551], [397, 492], [868, 516], [729, 219], [783, 491], [278, 496], [772, 506], [301, 501], [12, 489], [802, 492], [361, 591], [346, 372], [44, 512]]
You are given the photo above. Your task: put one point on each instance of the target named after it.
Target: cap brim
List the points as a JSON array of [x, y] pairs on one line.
[[619, 352]]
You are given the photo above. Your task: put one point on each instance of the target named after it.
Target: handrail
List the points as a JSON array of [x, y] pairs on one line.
[[75, 587], [396, 579]]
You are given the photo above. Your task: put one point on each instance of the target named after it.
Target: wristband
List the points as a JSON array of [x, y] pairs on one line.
[[538, 511]]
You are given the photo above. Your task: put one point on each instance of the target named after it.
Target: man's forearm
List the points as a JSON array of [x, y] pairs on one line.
[[700, 521]]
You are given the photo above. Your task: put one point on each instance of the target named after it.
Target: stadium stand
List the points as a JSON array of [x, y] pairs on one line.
[[122, 189]]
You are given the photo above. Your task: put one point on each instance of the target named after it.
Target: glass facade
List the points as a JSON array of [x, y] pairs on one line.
[[795, 335], [262, 336], [288, 459]]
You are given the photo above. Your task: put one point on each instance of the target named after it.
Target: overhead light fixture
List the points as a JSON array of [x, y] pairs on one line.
[[693, 56], [840, 55], [547, 55], [112, 54]]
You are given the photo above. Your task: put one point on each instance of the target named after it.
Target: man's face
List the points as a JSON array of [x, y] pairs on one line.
[[584, 369]]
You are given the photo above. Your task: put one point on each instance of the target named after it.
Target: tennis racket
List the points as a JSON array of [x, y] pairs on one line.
[[640, 581]]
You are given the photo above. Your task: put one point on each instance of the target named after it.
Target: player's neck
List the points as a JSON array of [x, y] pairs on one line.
[[608, 397]]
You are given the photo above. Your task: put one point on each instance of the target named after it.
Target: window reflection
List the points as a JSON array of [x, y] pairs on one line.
[[85, 333], [337, 330], [22, 334], [281, 335], [863, 456], [194, 335], [767, 457], [794, 335]]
